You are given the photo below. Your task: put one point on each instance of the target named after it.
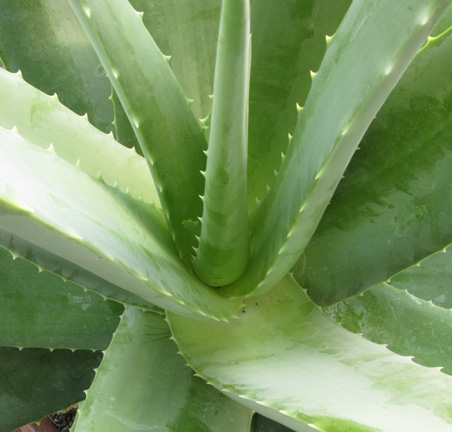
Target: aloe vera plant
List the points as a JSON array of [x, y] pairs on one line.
[[211, 210]]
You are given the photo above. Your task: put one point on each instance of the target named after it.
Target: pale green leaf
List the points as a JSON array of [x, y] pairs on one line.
[[287, 360], [44, 121], [144, 385], [394, 206], [408, 325], [429, 279], [222, 254], [160, 113], [357, 74], [411, 312], [289, 40], [188, 32], [95, 228], [444, 24]]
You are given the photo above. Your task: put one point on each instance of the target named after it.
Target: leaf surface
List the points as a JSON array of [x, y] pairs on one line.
[[264, 424], [222, 254], [444, 24], [287, 360], [340, 106], [394, 206], [43, 120], [188, 32], [94, 228], [39, 310], [161, 392], [46, 42], [169, 134], [37, 382], [288, 42], [411, 312]]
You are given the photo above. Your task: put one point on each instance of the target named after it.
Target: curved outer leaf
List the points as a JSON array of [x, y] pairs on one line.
[[41, 311], [69, 271], [223, 251], [96, 229], [407, 312], [43, 121], [27, 396], [288, 42], [429, 279], [287, 360], [166, 128], [44, 40], [161, 393], [408, 325], [394, 206], [330, 128]]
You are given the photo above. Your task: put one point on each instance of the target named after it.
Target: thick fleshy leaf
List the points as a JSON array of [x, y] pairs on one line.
[[429, 279], [394, 206], [37, 382], [55, 56], [160, 113], [43, 121], [188, 32], [222, 254], [411, 312], [288, 42], [407, 324], [356, 76], [94, 228], [286, 359], [144, 385], [39, 310]]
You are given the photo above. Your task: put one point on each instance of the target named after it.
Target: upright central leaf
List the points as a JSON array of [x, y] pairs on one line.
[[223, 249]]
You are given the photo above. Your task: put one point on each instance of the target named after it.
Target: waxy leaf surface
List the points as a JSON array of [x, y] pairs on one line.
[[287, 360], [161, 392], [39, 310], [120, 240]]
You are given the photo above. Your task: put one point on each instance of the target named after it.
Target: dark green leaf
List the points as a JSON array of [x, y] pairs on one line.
[[37, 382], [394, 206], [39, 310], [288, 41], [357, 74], [188, 32], [44, 39], [408, 325]]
